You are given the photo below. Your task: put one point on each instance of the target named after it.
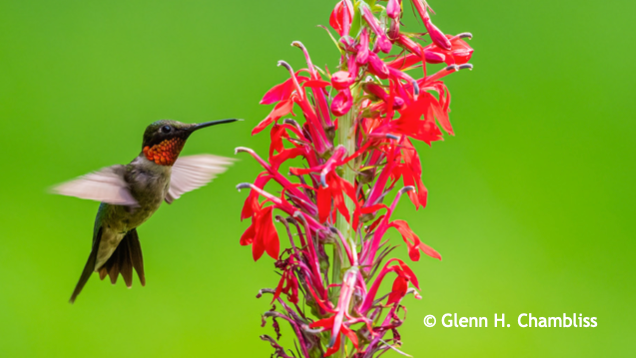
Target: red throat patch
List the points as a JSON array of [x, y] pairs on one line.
[[166, 152]]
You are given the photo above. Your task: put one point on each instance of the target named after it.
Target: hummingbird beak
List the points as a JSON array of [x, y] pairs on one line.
[[212, 123]]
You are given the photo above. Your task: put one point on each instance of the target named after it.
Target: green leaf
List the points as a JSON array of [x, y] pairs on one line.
[[356, 22]]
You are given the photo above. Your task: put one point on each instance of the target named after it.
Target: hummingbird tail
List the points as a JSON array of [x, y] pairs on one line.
[[88, 268], [126, 257]]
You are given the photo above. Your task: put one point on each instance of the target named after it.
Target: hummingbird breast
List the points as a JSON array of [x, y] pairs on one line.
[[148, 184]]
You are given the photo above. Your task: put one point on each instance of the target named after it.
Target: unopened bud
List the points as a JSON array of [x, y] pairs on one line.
[[363, 47], [393, 9], [342, 103], [377, 66], [433, 57], [341, 80]]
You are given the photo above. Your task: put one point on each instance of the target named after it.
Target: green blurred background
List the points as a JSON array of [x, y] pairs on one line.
[[531, 203]]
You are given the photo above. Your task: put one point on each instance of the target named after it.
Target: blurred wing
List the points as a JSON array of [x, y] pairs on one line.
[[195, 171], [106, 185]]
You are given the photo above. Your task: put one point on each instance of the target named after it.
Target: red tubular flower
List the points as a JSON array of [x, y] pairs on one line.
[[363, 48], [341, 17], [341, 80], [262, 235], [436, 35], [393, 9], [288, 283], [413, 241], [342, 103], [341, 171], [383, 42], [377, 66]]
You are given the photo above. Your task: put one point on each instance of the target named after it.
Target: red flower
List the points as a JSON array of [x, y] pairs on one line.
[[341, 17], [262, 234], [413, 241], [336, 198]]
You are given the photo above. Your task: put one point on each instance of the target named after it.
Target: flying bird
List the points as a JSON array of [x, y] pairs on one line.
[[130, 194]]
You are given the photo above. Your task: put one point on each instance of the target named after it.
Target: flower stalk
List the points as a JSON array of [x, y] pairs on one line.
[[353, 142]]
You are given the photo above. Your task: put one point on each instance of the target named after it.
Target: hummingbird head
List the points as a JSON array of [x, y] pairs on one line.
[[164, 139]]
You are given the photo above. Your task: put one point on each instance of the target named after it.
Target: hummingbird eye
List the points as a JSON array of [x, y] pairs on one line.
[[166, 129]]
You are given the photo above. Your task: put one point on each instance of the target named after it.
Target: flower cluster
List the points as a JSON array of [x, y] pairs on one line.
[[356, 145]]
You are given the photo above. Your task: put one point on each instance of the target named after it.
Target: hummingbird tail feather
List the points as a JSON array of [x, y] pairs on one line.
[[126, 257], [88, 268]]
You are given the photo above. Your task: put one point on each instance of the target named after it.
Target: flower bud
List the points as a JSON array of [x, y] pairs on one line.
[[433, 57], [377, 66], [393, 9], [437, 35], [342, 103], [382, 42], [340, 18], [363, 48], [394, 29], [341, 80]]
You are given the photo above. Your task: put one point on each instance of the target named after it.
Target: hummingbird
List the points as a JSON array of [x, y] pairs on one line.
[[130, 194]]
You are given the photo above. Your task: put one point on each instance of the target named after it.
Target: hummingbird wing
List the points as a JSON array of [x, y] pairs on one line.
[[195, 171], [106, 185]]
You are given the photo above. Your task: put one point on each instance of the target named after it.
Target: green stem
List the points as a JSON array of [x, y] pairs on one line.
[[346, 137]]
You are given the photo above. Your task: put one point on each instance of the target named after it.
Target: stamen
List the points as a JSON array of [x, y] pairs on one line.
[[243, 186], [306, 328], [299, 90], [466, 66], [463, 35], [285, 64], [298, 44], [293, 123], [264, 290], [323, 180], [416, 88], [406, 189], [238, 150], [452, 68]]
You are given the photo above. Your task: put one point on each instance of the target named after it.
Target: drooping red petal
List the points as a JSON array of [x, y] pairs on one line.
[[333, 349], [277, 134], [268, 234], [350, 334], [440, 114], [316, 84], [258, 247], [279, 92], [281, 109], [430, 251], [324, 203], [248, 236], [251, 202], [400, 286], [411, 125], [285, 155], [413, 241], [324, 323], [279, 288]]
